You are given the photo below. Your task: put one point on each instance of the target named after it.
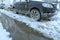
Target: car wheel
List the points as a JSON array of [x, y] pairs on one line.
[[35, 14]]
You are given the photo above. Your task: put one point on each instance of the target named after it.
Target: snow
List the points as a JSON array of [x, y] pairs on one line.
[[4, 35], [49, 29], [56, 17], [36, 0]]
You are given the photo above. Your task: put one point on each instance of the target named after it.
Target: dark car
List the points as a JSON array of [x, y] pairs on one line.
[[35, 9]]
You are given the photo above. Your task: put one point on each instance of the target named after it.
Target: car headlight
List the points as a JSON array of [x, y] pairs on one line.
[[47, 5]]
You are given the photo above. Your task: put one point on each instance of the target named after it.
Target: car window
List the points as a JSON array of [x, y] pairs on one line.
[[23, 0], [36, 0], [14, 1]]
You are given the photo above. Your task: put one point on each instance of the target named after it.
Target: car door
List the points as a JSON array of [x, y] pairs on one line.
[[23, 5]]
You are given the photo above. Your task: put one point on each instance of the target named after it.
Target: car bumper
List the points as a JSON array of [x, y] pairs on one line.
[[48, 15]]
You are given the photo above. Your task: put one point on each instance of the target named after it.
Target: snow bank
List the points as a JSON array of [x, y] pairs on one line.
[[4, 34], [49, 29]]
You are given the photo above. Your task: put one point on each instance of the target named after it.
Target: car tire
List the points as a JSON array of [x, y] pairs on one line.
[[35, 14]]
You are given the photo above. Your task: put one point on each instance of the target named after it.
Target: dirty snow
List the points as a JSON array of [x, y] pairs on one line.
[[49, 29], [4, 35]]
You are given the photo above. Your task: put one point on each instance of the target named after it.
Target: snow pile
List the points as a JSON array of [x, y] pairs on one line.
[[4, 34], [56, 17], [49, 29]]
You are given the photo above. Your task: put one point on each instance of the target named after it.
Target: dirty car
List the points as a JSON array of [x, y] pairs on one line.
[[35, 9]]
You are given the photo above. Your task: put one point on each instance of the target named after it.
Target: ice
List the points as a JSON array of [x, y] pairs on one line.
[[49, 29], [4, 35]]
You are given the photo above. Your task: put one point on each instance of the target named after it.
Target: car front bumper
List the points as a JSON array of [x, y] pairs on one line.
[[48, 15]]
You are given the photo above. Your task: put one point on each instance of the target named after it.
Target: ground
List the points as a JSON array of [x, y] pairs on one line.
[[4, 35], [49, 28]]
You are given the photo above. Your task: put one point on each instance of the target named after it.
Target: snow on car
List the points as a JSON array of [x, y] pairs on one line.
[[4, 35], [49, 29]]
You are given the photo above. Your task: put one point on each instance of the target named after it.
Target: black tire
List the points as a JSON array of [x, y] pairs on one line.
[[35, 14]]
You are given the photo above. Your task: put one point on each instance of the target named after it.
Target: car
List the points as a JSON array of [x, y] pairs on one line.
[[35, 9]]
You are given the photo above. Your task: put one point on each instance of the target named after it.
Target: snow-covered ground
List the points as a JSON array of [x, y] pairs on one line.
[[4, 35], [47, 28]]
